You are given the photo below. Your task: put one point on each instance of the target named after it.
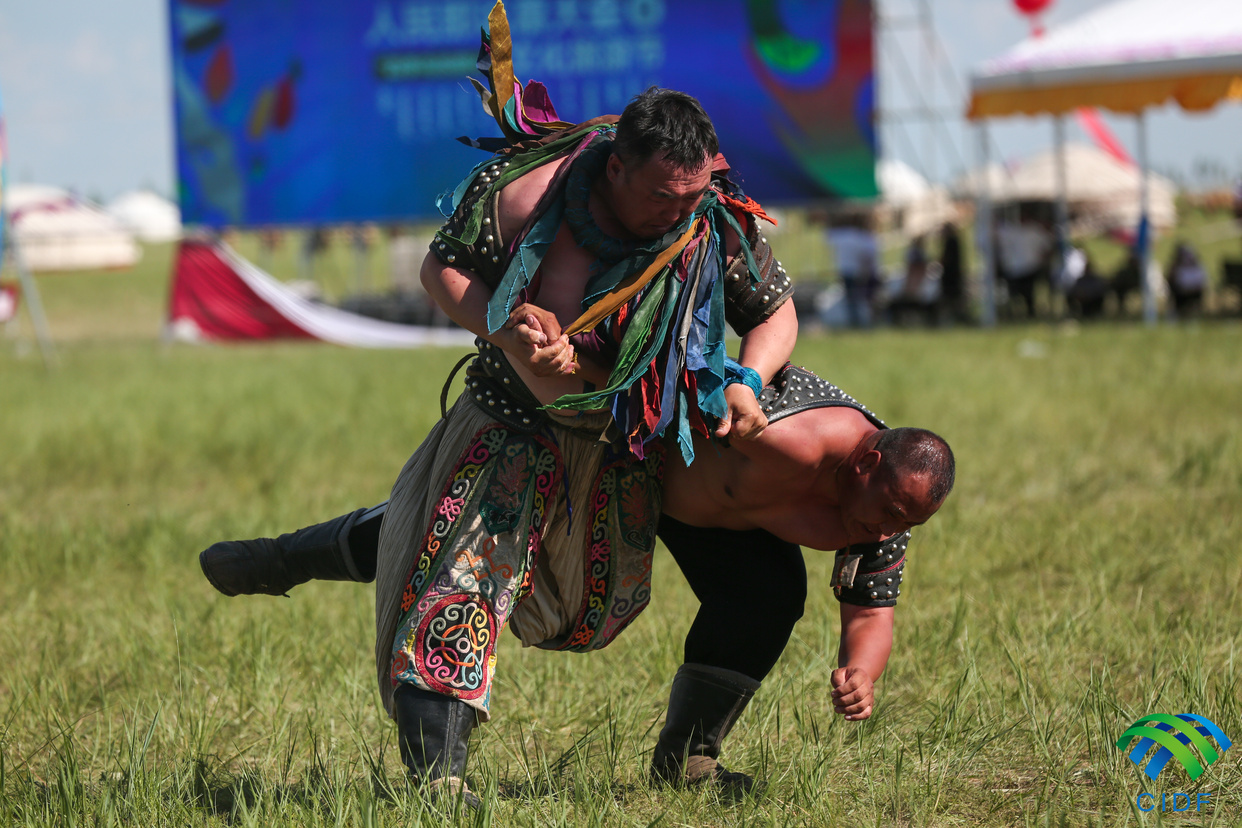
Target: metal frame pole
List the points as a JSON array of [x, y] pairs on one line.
[[1062, 210], [1149, 295], [983, 231], [34, 304]]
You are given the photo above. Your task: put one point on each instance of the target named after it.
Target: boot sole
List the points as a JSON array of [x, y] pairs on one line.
[[731, 792]]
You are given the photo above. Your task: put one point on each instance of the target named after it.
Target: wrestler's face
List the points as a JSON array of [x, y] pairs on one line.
[[879, 504], [651, 197]]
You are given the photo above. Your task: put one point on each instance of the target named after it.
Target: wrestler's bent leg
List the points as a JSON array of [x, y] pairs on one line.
[[752, 587], [473, 567]]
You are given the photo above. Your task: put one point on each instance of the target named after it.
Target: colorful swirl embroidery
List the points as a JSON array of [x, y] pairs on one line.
[[454, 645], [465, 581], [624, 509]]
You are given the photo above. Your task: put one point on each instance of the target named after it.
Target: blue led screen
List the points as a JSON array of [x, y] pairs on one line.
[[325, 111]]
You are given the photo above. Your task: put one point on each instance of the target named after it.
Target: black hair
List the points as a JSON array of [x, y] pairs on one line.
[[669, 122], [915, 451]]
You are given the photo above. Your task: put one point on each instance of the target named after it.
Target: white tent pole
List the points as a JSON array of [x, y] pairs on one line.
[[983, 231], [1062, 211], [1149, 296], [927, 96]]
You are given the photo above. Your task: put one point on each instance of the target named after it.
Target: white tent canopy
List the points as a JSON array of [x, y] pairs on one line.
[[59, 231], [899, 183], [1099, 182], [1124, 57], [996, 178]]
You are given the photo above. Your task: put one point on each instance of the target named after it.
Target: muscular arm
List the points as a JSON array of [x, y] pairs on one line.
[[765, 348], [866, 642], [463, 296], [532, 335]]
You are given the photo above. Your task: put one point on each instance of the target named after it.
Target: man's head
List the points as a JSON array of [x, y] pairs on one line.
[[661, 162], [896, 479]]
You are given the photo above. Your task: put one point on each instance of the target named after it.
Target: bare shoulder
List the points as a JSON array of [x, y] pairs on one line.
[[520, 197], [818, 433]]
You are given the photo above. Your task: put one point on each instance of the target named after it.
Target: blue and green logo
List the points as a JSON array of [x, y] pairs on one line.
[[1175, 735]]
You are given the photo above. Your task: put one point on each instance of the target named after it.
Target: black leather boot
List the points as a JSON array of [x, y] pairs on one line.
[[702, 707], [433, 733], [342, 549]]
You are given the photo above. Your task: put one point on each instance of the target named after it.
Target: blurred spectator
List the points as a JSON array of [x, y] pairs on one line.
[[857, 257], [360, 238], [1186, 281], [1023, 249], [314, 242], [1073, 268], [952, 284], [1084, 288], [405, 256], [918, 296], [269, 238]]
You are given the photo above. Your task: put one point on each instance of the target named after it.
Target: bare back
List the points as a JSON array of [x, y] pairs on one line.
[[783, 481]]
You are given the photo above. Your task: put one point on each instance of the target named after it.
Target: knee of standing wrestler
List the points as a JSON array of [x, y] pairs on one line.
[[747, 629]]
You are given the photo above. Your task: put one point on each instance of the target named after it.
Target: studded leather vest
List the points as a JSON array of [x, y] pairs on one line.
[[795, 389], [864, 574]]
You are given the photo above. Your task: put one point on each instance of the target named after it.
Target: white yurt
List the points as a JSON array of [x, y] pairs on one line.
[[917, 206], [149, 216], [1099, 188], [56, 230], [1096, 183]]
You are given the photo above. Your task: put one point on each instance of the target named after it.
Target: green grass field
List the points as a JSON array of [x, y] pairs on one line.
[[1084, 572]]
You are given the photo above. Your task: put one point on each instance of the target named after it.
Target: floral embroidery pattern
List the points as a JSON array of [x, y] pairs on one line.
[[625, 506], [468, 578]]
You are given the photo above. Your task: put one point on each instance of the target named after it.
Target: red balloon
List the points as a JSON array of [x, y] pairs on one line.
[[1031, 6]]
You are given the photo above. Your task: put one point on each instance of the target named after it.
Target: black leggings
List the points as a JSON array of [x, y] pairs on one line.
[[751, 587]]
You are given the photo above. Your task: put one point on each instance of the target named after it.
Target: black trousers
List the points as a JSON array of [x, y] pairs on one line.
[[751, 587]]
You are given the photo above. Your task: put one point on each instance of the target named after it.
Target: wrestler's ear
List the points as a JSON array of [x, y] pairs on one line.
[[615, 168], [868, 462]]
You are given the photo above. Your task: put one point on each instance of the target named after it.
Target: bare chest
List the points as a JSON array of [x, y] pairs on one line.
[[728, 489], [563, 277]]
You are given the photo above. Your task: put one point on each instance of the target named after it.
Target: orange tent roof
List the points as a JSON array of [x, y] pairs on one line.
[[1124, 57]]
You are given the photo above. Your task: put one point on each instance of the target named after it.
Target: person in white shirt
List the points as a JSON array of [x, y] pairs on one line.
[[857, 256], [1023, 248]]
